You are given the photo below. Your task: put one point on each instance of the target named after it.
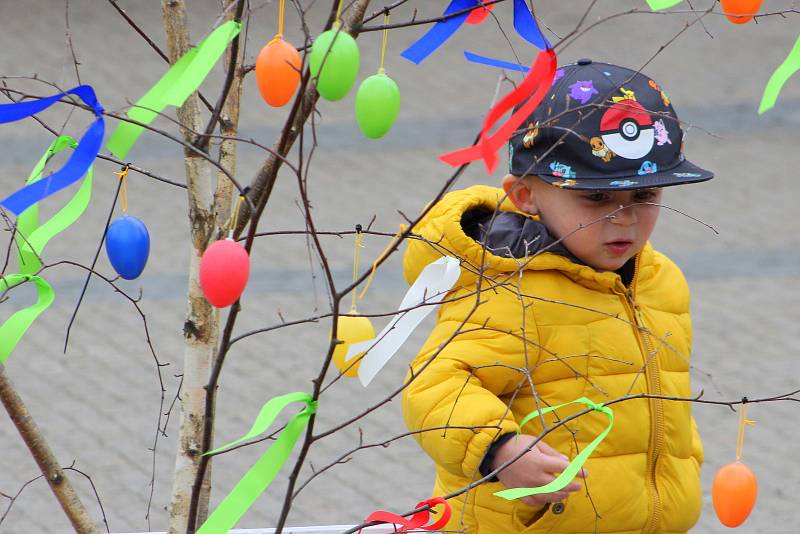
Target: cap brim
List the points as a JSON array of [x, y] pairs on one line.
[[685, 172]]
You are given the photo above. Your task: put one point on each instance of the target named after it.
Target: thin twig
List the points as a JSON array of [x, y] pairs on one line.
[[152, 44], [91, 269]]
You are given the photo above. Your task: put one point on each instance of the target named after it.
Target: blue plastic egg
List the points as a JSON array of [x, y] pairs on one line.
[[128, 246]]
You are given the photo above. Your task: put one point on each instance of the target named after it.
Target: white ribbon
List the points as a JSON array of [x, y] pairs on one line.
[[430, 288]]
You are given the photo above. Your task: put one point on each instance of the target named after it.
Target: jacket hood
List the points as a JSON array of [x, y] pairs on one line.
[[459, 223]]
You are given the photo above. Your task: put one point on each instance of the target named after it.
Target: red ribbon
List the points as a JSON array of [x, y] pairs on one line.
[[479, 15], [535, 85], [417, 521]]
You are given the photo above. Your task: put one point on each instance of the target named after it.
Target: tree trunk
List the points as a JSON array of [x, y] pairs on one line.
[[201, 328], [51, 470], [229, 127]]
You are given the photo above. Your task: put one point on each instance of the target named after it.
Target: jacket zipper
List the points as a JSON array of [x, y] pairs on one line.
[[656, 405]]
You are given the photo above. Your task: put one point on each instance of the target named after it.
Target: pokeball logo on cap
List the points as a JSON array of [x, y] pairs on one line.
[[627, 130]]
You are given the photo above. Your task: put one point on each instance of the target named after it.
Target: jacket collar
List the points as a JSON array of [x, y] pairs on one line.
[[443, 230]]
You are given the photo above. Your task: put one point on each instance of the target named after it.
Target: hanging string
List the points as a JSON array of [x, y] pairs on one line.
[[356, 255], [281, 11], [123, 175], [235, 216], [743, 422], [338, 15], [385, 40], [375, 263]]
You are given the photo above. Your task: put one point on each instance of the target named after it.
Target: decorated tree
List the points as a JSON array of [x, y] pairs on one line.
[[302, 71]]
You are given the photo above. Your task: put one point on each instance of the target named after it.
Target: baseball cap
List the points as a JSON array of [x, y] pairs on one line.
[[603, 126]]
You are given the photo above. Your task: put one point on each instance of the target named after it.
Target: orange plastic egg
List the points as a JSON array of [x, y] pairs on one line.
[[278, 72], [740, 11], [734, 493]]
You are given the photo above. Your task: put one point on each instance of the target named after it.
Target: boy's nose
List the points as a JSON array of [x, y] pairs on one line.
[[625, 215]]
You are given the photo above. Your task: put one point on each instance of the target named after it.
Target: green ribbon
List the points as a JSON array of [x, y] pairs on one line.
[[658, 5], [575, 465], [28, 220], [264, 471], [16, 325], [781, 75], [181, 80], [31, 240]]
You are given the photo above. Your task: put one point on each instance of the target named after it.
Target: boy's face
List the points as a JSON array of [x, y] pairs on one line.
[[604, 229]]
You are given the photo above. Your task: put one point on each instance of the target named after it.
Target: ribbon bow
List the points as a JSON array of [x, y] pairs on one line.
[[418, 521]]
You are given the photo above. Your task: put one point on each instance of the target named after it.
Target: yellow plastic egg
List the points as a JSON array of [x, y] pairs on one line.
[[351, 329]]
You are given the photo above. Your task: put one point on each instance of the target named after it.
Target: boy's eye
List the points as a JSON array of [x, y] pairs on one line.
[[646, 196], [597, 197]]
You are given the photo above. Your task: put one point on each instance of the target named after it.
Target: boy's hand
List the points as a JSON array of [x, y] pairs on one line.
[[537, 467]]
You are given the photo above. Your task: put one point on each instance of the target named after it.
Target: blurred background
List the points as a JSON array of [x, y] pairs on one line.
[[98, 404]]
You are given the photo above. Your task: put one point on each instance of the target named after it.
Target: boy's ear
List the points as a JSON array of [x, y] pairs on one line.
[[520, 193]]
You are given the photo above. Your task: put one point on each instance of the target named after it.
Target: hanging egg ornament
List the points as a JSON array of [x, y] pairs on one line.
[[278, 72], [336, 53], [351, 329], [128, 246], [734, 492], [740, 11], [377, 105], [224, 270]]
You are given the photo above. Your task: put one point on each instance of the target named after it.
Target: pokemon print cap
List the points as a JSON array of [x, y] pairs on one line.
[[603, 127]]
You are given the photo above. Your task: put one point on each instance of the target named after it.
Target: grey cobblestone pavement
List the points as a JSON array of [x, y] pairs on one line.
[[98, 404]]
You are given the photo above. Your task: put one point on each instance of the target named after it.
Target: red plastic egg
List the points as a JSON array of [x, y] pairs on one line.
[[278, 72], [734, 492], [740, 11], [224, 269]]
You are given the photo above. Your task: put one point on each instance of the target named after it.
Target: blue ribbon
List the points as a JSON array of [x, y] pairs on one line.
[[78, 163], [526, 27], [524, 24], [483, 60], [439, 33]]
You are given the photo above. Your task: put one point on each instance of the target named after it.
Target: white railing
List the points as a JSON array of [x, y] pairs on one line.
[[326, 529]]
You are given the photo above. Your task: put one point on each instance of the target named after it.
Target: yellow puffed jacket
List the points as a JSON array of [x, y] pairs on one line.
[[581, 333]]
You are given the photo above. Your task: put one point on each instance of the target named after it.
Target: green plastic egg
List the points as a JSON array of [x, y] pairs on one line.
[[340, 64], [377, 105]]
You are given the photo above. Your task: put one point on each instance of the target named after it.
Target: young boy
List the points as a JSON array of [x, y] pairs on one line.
[[573, 302]]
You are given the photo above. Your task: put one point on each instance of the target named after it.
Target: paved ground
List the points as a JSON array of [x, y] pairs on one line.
[[98, 403]]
